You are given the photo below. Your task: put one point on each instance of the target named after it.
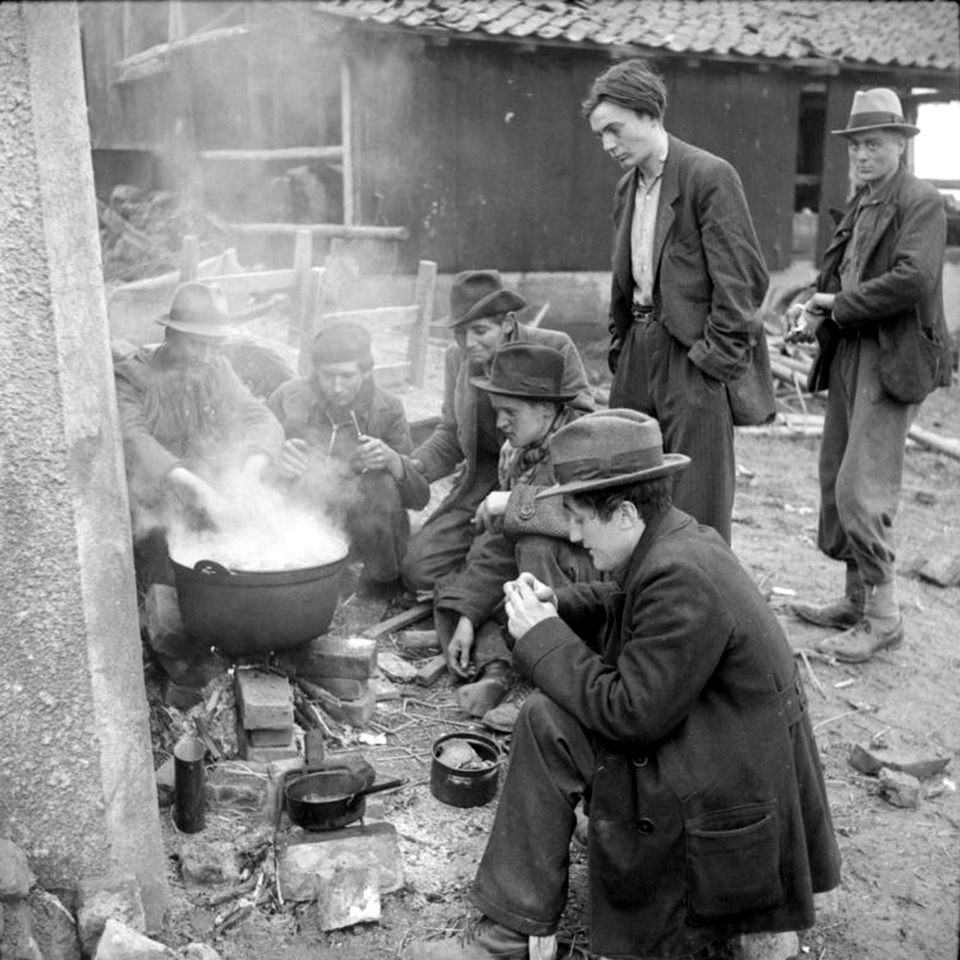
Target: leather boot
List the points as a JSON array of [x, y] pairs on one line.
[[487, 940], [881, 628], [487, 690], [844, 612]]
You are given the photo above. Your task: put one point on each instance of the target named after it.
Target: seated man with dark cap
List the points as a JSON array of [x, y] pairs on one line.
[[187, 421], [519, 532], [346, 449], [483, 316], [669, 701]]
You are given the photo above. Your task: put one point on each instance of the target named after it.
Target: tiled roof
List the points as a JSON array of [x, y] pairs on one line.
[[920, 34]]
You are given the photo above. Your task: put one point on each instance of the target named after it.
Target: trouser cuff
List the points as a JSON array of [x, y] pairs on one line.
[[503, 915]]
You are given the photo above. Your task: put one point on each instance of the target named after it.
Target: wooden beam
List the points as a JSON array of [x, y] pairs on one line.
[[404, 619], [333, 152], [346, 136], [321, 230]]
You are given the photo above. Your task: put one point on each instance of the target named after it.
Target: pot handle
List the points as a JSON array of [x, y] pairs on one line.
[[212, 567], [376, 788]]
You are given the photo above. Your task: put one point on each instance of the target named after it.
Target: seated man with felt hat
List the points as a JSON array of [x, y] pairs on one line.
[[515, 530], [669, 702], [347, 450], [186, 421]]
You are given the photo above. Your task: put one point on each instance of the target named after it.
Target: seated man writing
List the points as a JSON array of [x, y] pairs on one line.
[[668, 699], [346, 450], [517, 531], [186, 421]]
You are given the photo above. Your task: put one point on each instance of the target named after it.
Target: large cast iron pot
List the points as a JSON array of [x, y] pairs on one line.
[[244, 613]]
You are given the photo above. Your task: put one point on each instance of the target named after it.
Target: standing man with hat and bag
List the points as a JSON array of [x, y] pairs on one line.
[[669, 701], [187, 420], [878, 319], [687, 340], [483, 317], [346, 451], [516, 530]]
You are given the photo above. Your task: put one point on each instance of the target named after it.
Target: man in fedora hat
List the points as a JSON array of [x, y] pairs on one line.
[[878, 319], [186, 420], [483, 317], [347, 447], [516, 531], [669, 701], [687, 340]]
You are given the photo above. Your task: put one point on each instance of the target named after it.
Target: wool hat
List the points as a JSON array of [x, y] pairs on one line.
[[341, 342], [527, 371], [479, 293], [200, 309], [877, 109], [609, 448]]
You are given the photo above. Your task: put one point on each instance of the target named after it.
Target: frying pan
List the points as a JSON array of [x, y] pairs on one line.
[[330, 799]]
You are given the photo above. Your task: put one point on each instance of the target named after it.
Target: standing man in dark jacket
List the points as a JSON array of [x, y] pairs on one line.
[[688, 345], [668, 698], [883, 346], [483, 315], [347, 446]]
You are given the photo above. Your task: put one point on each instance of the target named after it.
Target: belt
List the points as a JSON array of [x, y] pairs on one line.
[[642, 312]]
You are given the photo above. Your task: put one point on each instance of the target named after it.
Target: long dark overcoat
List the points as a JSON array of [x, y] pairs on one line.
[[708, 811], [900, 295]]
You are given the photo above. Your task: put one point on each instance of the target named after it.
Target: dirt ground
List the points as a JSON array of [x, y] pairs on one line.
[[900, 892]]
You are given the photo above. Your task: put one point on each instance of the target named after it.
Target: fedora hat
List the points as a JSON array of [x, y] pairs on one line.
[[200, 309], [526, 371], [480, 293], [609, 448], [877, 109]]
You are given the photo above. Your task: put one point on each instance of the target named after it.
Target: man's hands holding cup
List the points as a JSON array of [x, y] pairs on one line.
[[804, 319], [528, 602]]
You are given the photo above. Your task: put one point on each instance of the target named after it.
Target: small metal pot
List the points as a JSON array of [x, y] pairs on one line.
[[460, 787], [330, 799]]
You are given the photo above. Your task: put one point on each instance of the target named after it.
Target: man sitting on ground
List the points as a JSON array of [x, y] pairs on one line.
[[667, 699], [346, 449], [516, 531]]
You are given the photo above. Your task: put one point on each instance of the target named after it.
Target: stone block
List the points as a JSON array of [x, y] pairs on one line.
[[236, 788], [163, 626], [416, 644], [374, 843], [354, 713], [430, 672], [899, 789], [19, 941], [207, 862], [248, 751], [264, 700], [115, 896], [396, 668], [271, 738], [348, 893], [766, 946], [16, 878], [347, 657], [871, 761], [345, 688], [54, 927], [384, 690], [944, 571], [120, 942]]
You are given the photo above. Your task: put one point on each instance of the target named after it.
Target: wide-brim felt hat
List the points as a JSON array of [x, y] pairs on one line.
[[480, 293], [526, 371], [609, 448], [200, 309], [877, 109]]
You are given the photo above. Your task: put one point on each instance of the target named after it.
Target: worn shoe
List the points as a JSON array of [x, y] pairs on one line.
[[486, 692], [487, 940], [862, 642], [840, 614]]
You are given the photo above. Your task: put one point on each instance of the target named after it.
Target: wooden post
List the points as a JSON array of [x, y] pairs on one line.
[[420, 335], [346, 135], [189, 258], [311, 319], [302, 262]]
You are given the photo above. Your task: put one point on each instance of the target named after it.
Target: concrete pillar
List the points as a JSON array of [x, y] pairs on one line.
[[77, 791]]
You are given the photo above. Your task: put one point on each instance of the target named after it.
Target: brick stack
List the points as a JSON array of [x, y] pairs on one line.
[[264, 716], [342, 668]]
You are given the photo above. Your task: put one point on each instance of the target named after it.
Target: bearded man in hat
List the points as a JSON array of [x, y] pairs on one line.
[[516, 531], [347, 449], [483, 317], [878, 320], [687, 341], [669, 701], [187, 421]]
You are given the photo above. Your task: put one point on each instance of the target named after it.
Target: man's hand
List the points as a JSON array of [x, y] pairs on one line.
[[460, 650], [190, 491], [613, 354], [490, 512], [529, 602], [293, 459], [804, 319], [374, 454]]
